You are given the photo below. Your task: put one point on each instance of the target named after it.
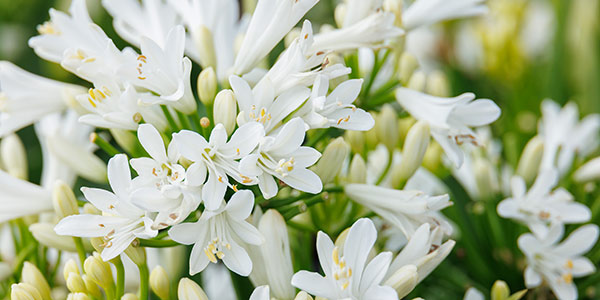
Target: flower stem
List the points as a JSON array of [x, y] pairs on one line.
[[385, 171], [120, 277], [103, 144], [80, 250], [144, 280], [172, 125], [157, 243]]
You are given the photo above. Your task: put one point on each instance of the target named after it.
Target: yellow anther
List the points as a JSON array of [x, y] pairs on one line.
[[349, 272], [345, 285], [568, 278], [335, 255], [210, 256], [569, 264], [220, 179], [220, 254]]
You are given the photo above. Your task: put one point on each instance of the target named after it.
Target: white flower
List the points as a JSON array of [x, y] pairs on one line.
[[271, 21], [347, 274], [121, 222], [427, 12], [20, 198], [356, 10], [450, 119], [25, 98], [557, 264], [564, 135], [473, 294], [260, 293], [588, 171], [216, 235], [405, 209], [540, 207], [336, 109], [220, 157], [283, 156], [371, 31], [260, 105], [163, 183]]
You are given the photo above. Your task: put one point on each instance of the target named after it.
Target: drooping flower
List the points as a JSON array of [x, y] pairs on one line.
[[541, 207], [220, 157], [558, 263], [282, 156], [347, 273], [217, 233], [450, 119], [121, 223], [427, 12]]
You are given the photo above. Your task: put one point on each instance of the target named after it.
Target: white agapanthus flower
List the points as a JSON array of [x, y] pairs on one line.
[[282, 156], [26, 98], [121, 222], [558, 263], [541, 207], [217, 235], [450, 119], [356, 10], [427, 12], [20, 198], [348, 275], [163, 184], [405, 209], [220, 157]]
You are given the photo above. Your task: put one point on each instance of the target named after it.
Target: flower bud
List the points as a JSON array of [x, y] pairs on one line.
[[75, 283], [189, 290], [500, 290], [339, 14], [433, 158], [404, 280], [64, 201], [404, 125], [90, 209], [225, 110], [204, 122], [408, 65], [130, 296], [417, 81], [356, 139], [82, 161], [358, 170], [203, 39], [207, 86], [276, 254], [126, 139], [530, 160], [136, 254], [5, 271], [70, 267], [302, 295], [589, 171], [14, 156], [78, 296], [159, 282], [413, 153], [24, 291], [395, 7], [437, 84], [386, 127], [97, 243], [99, 271], [291, 36], [331, 162], [44, 233], [30, 274], [92, 288]]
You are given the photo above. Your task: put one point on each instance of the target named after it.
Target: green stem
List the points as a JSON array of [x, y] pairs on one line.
[[385, 171], [120, 290], [22, 256], [173, 126], [80, 250], [273, 203], [104, 145], [157, 243], [376, 67], [291, 212], [55, 268], [144, 281], [312, 142], [185, 122]]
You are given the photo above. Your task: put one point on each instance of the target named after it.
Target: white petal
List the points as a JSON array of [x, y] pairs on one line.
[[324, 252], [579, 241], [244, 139], [187, 233], [118, 245], [375, 271], [582, 267], [190, 144], [88, 225], [240, 205], [249, 167], [260, 293], [237, 260], [477, 113], [359, 243], [214, 190], [152, 142], [314, 284], [119, 175], [247, 232], [151, 199], [346, 92], [380, 293], [195, 174], [289, 139], [532, 278], [304, 180], [268, 186], [198, 259]]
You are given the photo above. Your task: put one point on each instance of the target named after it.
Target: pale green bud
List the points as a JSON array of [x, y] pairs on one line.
[[433, 157], [404, 280], [92, 288], [206, 47], [90, 209], [302, 295], [358, 170], [339, 14], [5, 271], [291, 36], [125, 138], [78, 158], [530, 160], [204, 122], [207, 86], [225, 110], [97, 243], [136, 254], [189, 290], [404, 125], [75, 283], [413, 152], [24, 291], [159, 282], [44, 233], [70, 267], [30, 274], [437, 84], [589, 171], [99, 271], [386, 127], [78, 296], [14, 156], [408, 65], [130, 296], [417, 81], [500, 290], [64, 201], [356, 139], [332, 160]]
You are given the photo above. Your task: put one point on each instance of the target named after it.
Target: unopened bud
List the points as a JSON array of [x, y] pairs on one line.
[[225, 110], [339, 14], [64, 201], [90, 209], [408, 65], [404, 280], [413, 153], [14, 156], [386, 127], [204, 122], [291, 36], [589, 171], [358, 170], [500, 290], [276, 251], [33, 276], [99, 271], [5, 271], [189, 290], [332, 160], [75, 283], [433, 157], [130, 296], [159, 282], [70, 267], [136, 253], [78, 296], [97, 243], [417, 81], [44, 233], [92, 288], [404, 125], [24, 291], [126, 139], [203, 39], [356, 139], [302, 295], [207, 86], [530, 160], [437, 84], [82, 161]]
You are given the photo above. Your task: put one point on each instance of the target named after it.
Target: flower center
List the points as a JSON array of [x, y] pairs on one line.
[[141, 62], [48, 28], [213, 249], [262, 117], [341, 272], [285, 166]]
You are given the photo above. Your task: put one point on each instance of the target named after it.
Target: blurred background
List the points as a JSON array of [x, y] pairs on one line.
[[521, 52]]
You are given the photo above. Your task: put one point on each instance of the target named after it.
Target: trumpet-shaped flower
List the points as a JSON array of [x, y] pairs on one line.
[[283, 157], [347, 273], [217, 233], [405, 209], [26, 98], [450, 119], [121, 222], [427, 12], [220, 158], [164, 186], [558, 263], [271, 21], [540, 207]]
